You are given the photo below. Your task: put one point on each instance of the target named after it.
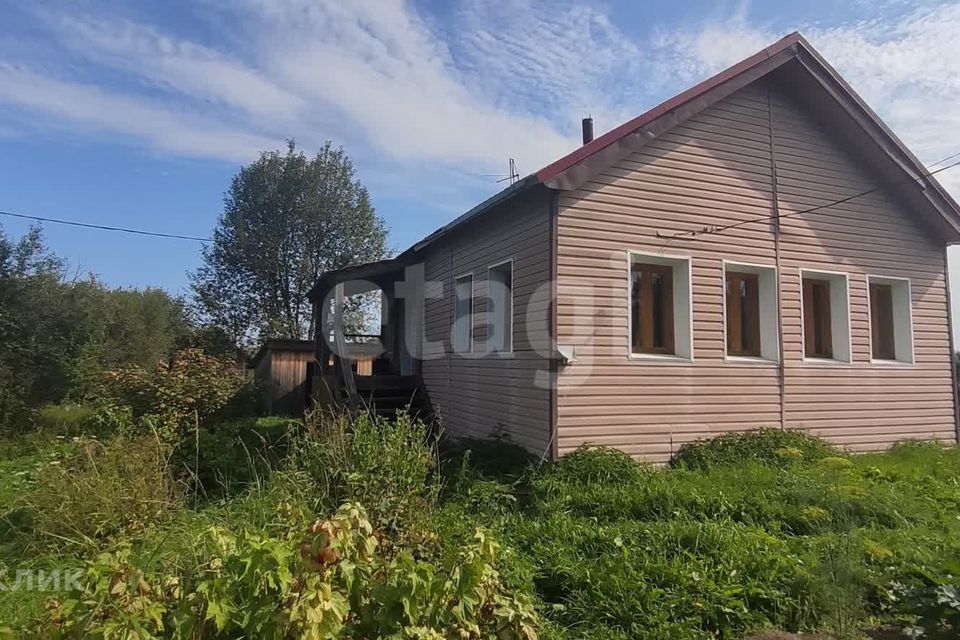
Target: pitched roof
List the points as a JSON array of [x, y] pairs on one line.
[[815, 82]]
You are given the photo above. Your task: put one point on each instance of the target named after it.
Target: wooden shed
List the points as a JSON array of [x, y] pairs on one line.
[[283, 371], [280, 371]]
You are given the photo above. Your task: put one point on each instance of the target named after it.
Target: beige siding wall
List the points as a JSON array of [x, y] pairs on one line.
[[715, 169], [508, 394]]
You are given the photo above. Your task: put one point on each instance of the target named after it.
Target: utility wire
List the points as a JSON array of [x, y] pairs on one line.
[[698, 232], [87, 225], [942, 160], [718, 229]]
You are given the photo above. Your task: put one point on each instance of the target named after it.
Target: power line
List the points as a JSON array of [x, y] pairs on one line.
[[942, 160], [102, 227], [718, 229]]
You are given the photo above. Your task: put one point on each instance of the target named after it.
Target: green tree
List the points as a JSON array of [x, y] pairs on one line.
[[287, 219], [29, 354], [58, 336]]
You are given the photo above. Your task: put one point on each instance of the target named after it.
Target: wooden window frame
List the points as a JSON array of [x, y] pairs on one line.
[[508, 349], [816, 286], [908, 357], [733, 313], [642, 326], [883, 341], [471, 312]]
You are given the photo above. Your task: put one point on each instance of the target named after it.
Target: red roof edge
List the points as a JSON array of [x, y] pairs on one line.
[[612, 136]]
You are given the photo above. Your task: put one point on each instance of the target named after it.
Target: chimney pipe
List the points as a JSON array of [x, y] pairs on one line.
[[587, 124]]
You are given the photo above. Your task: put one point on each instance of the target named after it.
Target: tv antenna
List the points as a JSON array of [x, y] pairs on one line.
[[514, 175]]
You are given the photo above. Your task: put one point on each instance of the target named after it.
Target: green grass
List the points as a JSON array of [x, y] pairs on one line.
[[764, 531], [819, 541]]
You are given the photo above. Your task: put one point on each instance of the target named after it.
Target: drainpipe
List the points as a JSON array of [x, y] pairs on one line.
[[782, 368], [953, 363]]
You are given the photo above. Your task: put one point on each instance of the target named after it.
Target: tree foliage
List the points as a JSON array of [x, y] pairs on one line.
[[58, 335], [287, 219]]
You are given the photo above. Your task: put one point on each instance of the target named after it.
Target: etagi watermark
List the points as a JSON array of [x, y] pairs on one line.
[[423, 318], [40, 579]]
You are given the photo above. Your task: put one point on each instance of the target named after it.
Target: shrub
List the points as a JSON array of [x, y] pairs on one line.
[[333, 582], [776, 447], [187, 389], [591, 465], [388, 465], [100, 490]]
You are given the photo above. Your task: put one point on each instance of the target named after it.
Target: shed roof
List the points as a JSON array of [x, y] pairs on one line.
[[281, 344]]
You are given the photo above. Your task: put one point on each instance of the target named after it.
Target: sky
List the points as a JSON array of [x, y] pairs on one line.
[[138, 114]]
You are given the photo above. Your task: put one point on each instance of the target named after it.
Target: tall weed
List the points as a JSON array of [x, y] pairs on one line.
[[102, 490], [387, 465]]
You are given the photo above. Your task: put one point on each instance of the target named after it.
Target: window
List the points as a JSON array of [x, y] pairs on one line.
[[659, 306], [751, 311], [463, 314], [891, 332], [652, 309], [826, 331], [881, 321], [817, 338], [743, 314], [500, 307]]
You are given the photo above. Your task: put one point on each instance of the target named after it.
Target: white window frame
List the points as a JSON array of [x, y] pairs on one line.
[[845, 332], [682, 322], [769, 321], [513, 283], [907, 336], [473, 312]]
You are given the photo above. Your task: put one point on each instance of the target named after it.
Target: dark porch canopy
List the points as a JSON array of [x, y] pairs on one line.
[[399, 319]]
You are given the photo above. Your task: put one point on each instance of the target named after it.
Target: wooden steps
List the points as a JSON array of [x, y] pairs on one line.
[[387, 394]]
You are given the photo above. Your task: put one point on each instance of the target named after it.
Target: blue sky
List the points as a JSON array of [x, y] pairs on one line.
[[138, 113]]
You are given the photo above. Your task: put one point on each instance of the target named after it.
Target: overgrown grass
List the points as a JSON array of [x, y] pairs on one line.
[[739, 535], [768, 530]]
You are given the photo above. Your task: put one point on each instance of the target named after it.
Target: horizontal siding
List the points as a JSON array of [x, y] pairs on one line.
[[715, 169], [504, 394]]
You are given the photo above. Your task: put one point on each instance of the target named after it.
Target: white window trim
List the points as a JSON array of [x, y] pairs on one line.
[[658, 358], [473, 301], [513, 284], [750, 267], [913, 349], [825, 362]]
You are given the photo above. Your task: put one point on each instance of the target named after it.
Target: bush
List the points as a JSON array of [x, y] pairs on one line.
[[337, 580], [597, 465], [180, 393], [770, 446], [101, 490], [388, 465]]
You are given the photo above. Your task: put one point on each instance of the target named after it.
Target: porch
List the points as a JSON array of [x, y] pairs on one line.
[[365, 351]]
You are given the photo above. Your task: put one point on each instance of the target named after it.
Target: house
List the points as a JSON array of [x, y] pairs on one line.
[[759, 250], [282, 372]]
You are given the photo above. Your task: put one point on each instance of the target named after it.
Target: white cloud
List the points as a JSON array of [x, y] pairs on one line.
[[408, 95], [193, 70], [100, 111], [381, 67], [903, 66]]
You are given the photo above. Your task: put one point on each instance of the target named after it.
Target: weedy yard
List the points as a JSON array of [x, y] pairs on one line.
[[363, 528]]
